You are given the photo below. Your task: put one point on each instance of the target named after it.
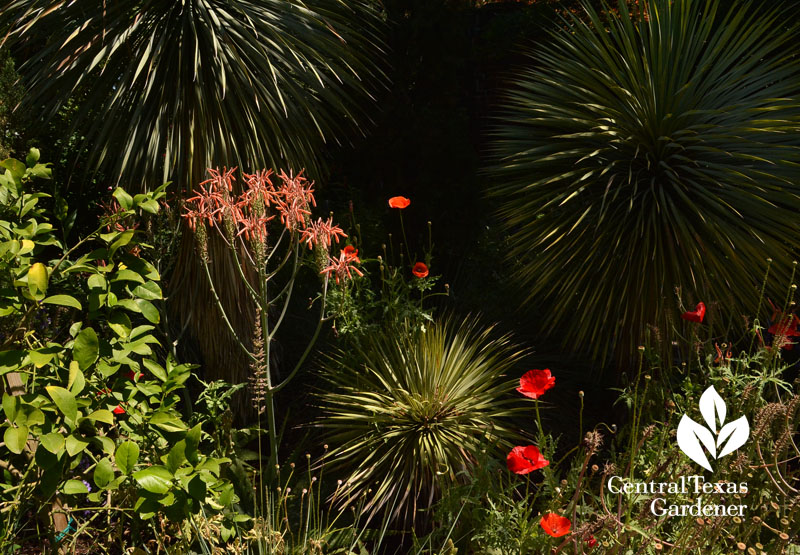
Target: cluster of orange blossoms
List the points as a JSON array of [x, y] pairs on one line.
[[261, 201]]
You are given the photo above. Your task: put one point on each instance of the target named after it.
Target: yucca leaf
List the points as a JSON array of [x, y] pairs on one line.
[[171, 88]]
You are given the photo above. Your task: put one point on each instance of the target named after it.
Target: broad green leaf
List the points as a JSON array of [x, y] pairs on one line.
[[75, 487], [156, 369], [149, 205], [63, 300], [149, 291], [197, 488], [106, 369], [102, 415], [96, 281], [75, 445], [40, 357], [86, 348], [106, 444], [127, 456], [192, 440], [176, 456], [11, 406], [167, 421], [16, 438], [65, 401], [127, 275], [76, 381], [53, 442], [27, 246], [120, 323], [148, 310], [15, 168], [29, 415], [103, 473], [155, 479], [123, 239], [41, 170], [11, 360], [124, 199], [37, 280]]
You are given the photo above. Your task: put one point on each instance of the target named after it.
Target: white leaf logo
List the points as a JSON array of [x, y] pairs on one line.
[[710, 403], [692, 437]]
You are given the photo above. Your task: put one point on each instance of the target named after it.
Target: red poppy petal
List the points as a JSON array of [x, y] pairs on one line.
[[399, 202], [555, 525]]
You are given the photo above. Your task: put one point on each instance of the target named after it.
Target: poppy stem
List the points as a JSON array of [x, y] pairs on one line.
[[405, 239], [539, 422]]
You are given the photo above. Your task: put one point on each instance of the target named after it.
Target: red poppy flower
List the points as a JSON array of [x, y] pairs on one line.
[[524, 460], [697, 315], [591, 542], [118, 410], [535, 382], [132, 375], [420, 270], [351, 253], [105, 391], [555, 525], [399, 202]]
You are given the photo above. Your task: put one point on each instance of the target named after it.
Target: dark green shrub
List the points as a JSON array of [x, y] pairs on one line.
[[92, 427]]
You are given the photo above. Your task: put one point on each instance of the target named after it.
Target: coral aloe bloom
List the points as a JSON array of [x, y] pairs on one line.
[[535, 382], [524, 460], [555, 525], [697, 315], [118, 410], [420, 270], [399, 202]]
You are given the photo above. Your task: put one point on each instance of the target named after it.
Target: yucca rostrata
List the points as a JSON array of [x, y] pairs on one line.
[[640, 155], [269, 232]]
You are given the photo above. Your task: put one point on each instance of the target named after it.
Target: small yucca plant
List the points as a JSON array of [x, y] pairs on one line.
[[407, 413], [637, 156]]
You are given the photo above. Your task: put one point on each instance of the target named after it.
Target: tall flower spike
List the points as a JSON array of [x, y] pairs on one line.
[[258, 367]]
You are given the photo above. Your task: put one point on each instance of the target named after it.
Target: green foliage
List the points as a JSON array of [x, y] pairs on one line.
[[361, 307], [408, 412], [171, 89], [640, 155], [91, 413], [490, 514]]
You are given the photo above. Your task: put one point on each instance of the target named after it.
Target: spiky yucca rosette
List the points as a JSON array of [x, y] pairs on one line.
[[637, 157], [407, 413]]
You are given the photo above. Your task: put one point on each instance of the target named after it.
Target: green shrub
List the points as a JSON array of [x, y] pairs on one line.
[[407, 413], [636, 157], [92, 426]]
